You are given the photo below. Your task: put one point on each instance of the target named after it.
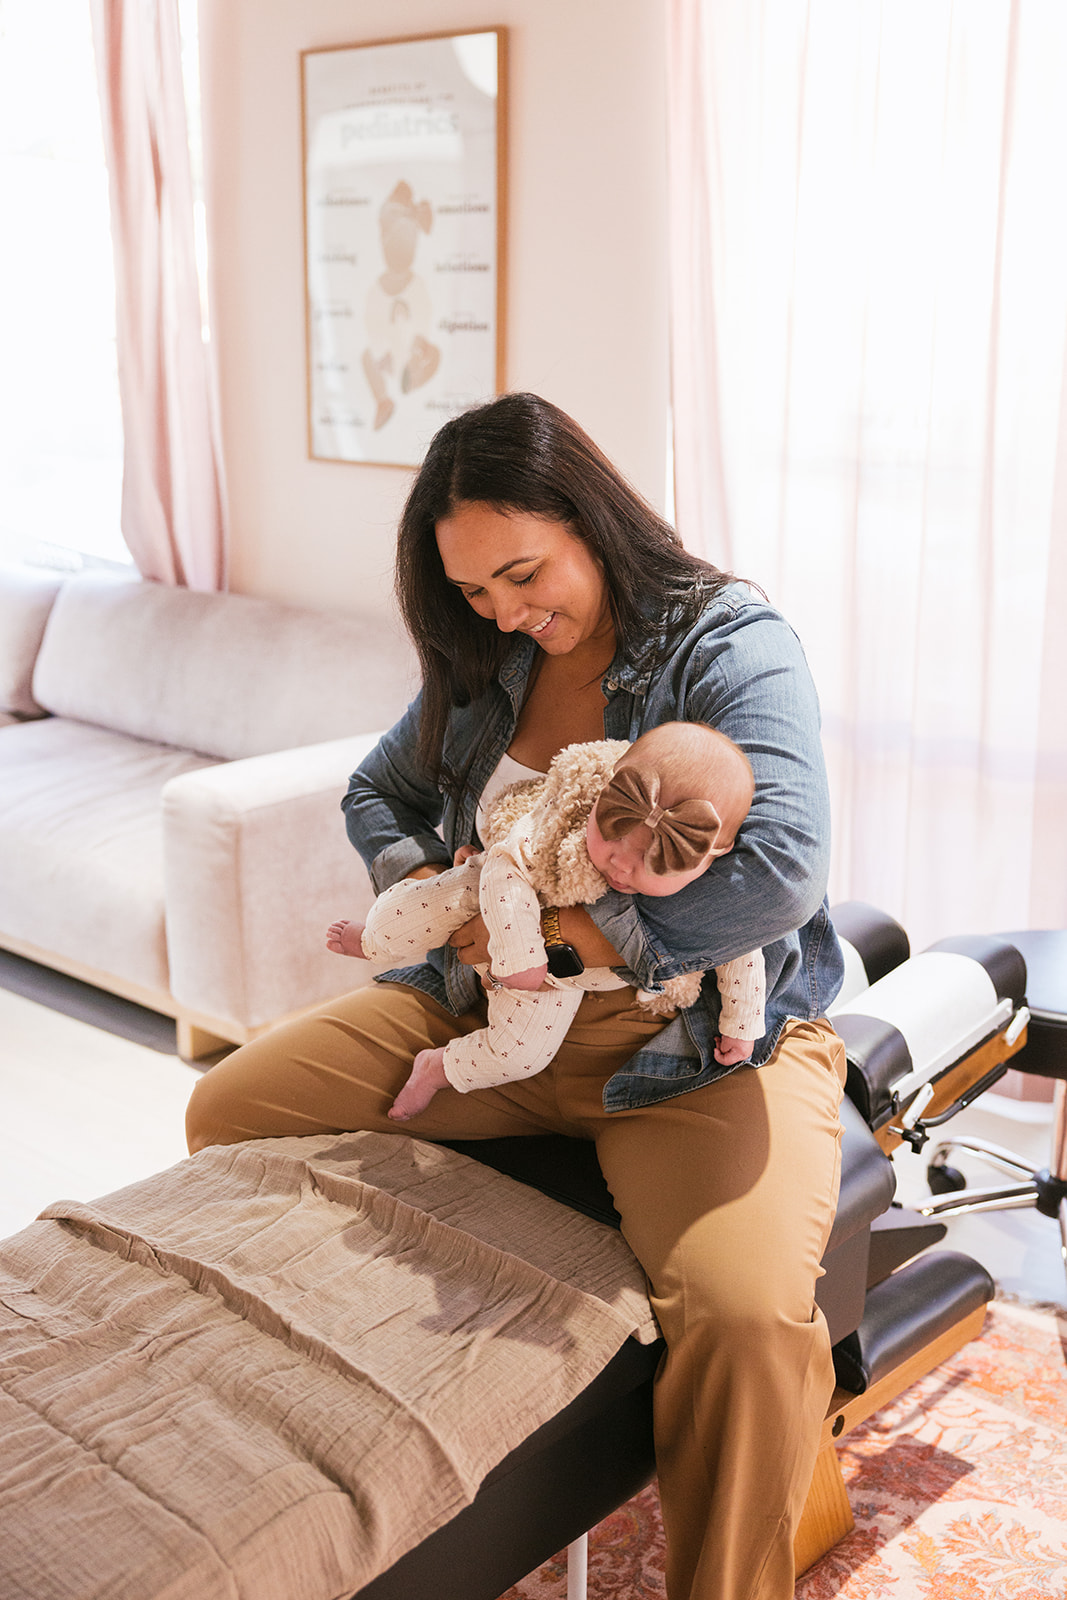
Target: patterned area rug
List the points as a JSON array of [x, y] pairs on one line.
[[959, 1489]]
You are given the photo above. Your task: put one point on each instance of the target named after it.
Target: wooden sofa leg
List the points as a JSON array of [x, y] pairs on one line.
[[827, 1514], [195, 1042]]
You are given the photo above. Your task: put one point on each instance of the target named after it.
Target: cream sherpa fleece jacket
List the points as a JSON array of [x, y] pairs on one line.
[[556, 809]]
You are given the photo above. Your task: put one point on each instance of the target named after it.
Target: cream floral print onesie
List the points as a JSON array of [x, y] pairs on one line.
[[526, 1028]]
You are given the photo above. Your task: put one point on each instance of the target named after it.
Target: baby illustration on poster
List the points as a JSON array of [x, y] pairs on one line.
[[399, 311]]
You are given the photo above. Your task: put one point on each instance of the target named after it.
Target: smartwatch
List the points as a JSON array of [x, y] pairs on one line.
[[563, 959]]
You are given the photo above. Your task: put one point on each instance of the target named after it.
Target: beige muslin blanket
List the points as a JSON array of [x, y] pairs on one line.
[[271, 1370]]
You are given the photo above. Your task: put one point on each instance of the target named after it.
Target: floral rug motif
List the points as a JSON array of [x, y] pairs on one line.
[[959, 1488]]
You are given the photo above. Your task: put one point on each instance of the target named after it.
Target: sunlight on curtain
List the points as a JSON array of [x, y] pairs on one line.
[[173, 493], [869, 333], [60, 428]]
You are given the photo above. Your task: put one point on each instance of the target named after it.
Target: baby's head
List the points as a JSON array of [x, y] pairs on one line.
[[674, 802]]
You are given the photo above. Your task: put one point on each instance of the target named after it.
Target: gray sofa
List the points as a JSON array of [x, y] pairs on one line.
[[171, 765]]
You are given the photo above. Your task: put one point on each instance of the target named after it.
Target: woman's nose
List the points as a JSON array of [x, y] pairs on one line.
[[509, 612]]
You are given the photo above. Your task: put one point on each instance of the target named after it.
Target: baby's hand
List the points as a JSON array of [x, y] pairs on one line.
[[728, 1052], [532, 978], [345, 939]]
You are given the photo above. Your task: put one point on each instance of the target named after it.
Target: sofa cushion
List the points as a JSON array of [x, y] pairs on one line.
[[225, 675], [26, 598], [81, 849]]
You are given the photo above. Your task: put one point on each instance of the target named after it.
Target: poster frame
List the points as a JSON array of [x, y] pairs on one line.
[[379, 452]]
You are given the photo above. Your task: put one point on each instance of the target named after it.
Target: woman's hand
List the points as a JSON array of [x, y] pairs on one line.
[[471, 943]]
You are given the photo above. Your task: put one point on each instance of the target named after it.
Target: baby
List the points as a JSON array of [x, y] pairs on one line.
[[648, 819]]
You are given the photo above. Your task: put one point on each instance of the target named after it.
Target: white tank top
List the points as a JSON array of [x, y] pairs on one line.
[[509, 771]]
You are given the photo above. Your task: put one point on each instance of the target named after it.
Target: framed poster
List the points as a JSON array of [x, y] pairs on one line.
[[403, 220]]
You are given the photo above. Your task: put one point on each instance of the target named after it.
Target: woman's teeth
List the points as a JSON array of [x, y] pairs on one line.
[[541, 626]]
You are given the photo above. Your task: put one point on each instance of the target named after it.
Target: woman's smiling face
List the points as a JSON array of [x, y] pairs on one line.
[[527, 575]]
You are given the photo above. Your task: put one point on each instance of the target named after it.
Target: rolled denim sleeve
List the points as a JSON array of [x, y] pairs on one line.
[[392, 811], [746, 676]]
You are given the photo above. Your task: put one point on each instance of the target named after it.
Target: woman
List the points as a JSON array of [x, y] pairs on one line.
[[550, 605]]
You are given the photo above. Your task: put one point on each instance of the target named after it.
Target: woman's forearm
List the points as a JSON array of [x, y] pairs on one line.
[[579, 929], [392, 814], [471, 941]]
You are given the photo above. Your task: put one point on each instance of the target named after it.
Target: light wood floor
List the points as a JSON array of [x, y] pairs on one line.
[[83, 1109], [93, 1095]]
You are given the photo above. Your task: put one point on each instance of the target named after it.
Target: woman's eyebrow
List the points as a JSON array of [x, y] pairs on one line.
[[468, 583]]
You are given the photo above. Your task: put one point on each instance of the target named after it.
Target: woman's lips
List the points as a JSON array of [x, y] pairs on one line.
[[542, 625]]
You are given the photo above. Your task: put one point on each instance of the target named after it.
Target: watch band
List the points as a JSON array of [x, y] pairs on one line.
[[563, 959]]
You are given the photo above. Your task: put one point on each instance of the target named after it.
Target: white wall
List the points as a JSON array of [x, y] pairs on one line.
[[587, 301]]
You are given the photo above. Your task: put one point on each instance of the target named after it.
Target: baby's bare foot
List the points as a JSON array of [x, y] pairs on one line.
[[427, 1076], [345, 939]]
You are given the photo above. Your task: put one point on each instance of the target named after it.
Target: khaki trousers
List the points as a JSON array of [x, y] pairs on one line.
[[726, 1194]]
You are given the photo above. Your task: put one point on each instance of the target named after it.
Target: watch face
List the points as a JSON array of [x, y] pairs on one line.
[[564, 961]]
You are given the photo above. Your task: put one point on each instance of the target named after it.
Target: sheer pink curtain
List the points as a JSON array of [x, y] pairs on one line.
[[869, 333], [172, 495]]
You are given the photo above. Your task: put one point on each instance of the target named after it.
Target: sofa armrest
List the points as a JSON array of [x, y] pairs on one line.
[[256, 866], [26, 598]]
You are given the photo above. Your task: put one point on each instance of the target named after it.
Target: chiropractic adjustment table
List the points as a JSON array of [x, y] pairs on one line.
[[361, 1365], [1044, 1056]]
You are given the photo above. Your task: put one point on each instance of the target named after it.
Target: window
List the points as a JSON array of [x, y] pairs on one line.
[[60, 427], [60, 421]]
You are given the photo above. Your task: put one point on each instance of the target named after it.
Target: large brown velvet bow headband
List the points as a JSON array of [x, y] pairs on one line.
[[682, 836]]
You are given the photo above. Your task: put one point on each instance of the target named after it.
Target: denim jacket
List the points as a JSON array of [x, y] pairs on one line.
[[741, 669]]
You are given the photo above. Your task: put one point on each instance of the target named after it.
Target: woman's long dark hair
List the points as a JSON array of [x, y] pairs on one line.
[[520, 454]]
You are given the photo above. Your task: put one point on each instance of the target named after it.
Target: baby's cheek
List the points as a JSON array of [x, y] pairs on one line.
[[660, 885], [654, 889]]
